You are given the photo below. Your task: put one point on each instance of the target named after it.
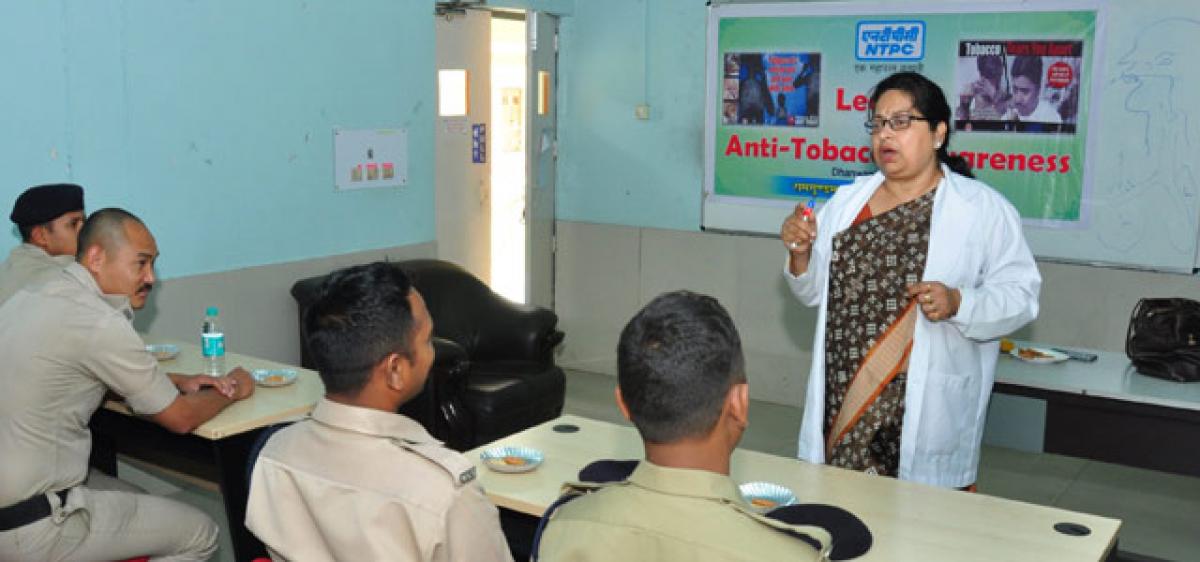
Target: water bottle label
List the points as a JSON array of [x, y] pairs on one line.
[[214, 344]]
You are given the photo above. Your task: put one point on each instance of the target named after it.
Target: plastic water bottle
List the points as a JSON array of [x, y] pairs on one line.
[[212, 344]]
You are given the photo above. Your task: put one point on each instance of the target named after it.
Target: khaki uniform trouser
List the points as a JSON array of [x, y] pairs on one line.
[[98, 522]]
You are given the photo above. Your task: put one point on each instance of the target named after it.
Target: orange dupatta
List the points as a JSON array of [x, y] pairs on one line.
[[887, 358]]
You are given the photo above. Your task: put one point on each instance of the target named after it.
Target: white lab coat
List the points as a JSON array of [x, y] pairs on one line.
[[976, 245]]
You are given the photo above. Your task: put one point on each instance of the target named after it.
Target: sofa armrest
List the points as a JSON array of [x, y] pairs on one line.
[[447, 383], [509, 331], [452, 365], [488, 326]]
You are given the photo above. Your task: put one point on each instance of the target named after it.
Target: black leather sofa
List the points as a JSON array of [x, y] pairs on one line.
[[494, 373]]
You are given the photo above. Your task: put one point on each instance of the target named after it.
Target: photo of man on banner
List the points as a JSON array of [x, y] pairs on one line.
[[1018, 86]]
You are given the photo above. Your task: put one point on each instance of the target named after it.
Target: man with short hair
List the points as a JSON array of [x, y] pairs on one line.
[[1027, 103], [357, 481], [48, 218], [682, 383], [984, 99], [65, 343]]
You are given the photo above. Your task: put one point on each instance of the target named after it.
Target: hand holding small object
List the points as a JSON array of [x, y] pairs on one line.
[[799, 230]]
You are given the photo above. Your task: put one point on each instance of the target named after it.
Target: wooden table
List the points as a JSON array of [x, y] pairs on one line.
[[1107, 411], [217, 450], [909, 521]]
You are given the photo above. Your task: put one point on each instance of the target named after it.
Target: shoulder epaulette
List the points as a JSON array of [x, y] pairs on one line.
[[820, 536], [460, 469]]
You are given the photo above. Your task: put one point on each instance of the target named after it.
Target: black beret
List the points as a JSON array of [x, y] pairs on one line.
[[44, 203]]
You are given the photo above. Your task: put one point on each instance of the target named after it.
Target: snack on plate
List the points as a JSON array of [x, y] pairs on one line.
[[512, 458], [1030, 353], [1006, 345], [163, 351], [274, 377], [763, 503]]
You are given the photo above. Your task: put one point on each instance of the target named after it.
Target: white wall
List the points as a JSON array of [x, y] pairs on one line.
[[606, 272]]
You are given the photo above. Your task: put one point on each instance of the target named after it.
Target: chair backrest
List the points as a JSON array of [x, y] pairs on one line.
[[465, 311], [455, 299]]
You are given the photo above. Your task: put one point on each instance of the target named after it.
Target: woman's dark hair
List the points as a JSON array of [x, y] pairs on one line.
[[931, 102]]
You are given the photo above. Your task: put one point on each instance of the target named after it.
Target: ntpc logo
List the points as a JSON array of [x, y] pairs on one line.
[[890, 40]]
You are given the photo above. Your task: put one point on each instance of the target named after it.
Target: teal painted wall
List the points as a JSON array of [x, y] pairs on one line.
[[213, 120], [614, 168]]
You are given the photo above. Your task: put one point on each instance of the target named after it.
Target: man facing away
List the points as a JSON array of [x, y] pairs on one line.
[[356, 480], [682, 384], [65, 343], [48, 218]]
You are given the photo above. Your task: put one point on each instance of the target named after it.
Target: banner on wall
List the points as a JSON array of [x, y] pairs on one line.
[[792, 86]]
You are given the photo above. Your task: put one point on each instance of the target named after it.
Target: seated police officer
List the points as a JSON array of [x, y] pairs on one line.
[[682, 384], [357, 481], [49, 218], [64, 344]]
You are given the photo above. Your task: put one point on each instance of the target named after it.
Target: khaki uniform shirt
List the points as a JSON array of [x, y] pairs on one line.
[[664, 513], [63, 344], [354, 483], [26, 265]]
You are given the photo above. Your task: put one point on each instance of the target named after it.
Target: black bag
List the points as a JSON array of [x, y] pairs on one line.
[[1164, 339]]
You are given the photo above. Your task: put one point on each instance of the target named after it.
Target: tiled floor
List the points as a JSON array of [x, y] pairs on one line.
[[1160, 512]]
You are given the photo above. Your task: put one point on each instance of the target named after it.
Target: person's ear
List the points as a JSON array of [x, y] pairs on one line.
[[94, 258], [737, 403], [621, 403], [939, 136], [397, 371], [39, 236]]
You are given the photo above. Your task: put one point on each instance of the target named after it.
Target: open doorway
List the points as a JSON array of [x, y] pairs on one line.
[[508, 164], [495, 147]]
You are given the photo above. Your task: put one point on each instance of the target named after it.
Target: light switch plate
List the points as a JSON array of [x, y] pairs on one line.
[[642, 111]]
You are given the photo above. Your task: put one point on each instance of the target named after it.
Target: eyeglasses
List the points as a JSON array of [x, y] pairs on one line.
[[898, 122]]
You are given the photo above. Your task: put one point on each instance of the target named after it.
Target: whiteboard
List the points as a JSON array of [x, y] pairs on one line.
[[1142, 208]]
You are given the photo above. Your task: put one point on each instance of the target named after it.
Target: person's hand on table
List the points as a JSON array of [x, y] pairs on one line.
[[190, 384], [936, 300], [243, 383]]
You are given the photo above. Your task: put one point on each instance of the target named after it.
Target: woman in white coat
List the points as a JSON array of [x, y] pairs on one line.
[[917, 271]]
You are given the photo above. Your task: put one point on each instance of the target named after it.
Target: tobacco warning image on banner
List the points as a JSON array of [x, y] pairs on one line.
[[1018, 86], [777, 89]]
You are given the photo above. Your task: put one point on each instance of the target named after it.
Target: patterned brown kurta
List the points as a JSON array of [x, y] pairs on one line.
[[874, 261]]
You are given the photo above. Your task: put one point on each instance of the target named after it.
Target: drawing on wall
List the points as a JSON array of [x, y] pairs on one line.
[[1159, 84]]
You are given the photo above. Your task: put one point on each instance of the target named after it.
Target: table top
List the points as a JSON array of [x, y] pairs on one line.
[[909, 521], [1110, 376], [265, 407]]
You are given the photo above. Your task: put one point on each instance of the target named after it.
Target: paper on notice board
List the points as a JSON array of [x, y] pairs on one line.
[[370, 158]]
